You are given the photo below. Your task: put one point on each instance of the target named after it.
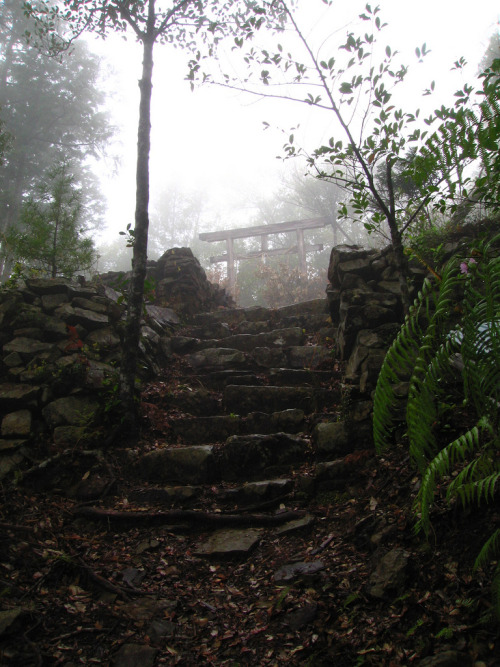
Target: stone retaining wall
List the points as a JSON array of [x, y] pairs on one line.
[[60, 350], [366, 310]]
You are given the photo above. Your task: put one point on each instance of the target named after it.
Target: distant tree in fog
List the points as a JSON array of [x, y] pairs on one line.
[[176, 219], [52, 110], [51, 236]]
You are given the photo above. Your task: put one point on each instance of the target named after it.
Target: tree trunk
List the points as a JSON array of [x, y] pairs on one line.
[[130, 344], [401, 264], [397, 243]]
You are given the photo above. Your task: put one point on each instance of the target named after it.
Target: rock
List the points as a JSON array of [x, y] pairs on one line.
[[27, 348], [43, 286], [164, 317], [10, 462], [72, 410], [389, 576], [310, 356], [159, 631], [89, 304], [69, 436], [52, 301], [135, 655], [217, 358], [294, 571], [301, 617], [230, 543], [293, 526], [88, 319], [13, 360], [331, 439], [279, 338], [191, 465], [257, 492], [89, 488], [182, 284], [105, 338], [18, 395], [268, 357], [251, 456], [17, 424]]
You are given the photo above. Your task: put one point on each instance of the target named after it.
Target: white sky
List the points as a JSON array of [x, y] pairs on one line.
[[213, 139]]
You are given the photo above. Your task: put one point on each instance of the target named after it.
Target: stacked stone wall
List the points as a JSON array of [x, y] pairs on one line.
[[60, 351], [366, 311]]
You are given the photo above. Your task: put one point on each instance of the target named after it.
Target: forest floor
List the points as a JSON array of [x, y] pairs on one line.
[[135, 593]]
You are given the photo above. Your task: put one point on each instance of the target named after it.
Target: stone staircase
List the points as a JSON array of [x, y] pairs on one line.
[[247, 415]]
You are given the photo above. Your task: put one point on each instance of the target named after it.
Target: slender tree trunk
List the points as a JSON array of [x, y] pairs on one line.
[[397, 243], [131, 337]]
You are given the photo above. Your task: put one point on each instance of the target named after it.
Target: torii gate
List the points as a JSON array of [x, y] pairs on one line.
[[264, 231]]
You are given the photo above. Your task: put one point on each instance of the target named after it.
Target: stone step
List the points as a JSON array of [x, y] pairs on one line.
[[264, 492], [260, 358], [243, 399], [234, 316], [204, 430], [277, 338], [217, 380], [198, 402], [301, 376], [250, 457], [310, 323]]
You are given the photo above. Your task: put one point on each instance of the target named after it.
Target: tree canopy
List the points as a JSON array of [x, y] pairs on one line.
[[52, 111]]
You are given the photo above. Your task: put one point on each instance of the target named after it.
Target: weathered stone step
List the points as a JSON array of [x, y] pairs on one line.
[[217, 380], [258, 313], [198, 402], [310, 323], [242, 399], [301, 376], [225, 358], [246, 495], [242, 458], [277, 338], [204, 430]]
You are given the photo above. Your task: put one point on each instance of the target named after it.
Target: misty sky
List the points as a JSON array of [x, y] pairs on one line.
[[213, 139]]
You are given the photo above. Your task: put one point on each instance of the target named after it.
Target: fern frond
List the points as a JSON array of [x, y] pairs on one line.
[[431, 364], [477, 482], [397, 366], [489, 551], [441, 466]]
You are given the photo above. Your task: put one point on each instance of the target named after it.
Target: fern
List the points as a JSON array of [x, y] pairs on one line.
[[459, 315], [397, 366], [441, 466]]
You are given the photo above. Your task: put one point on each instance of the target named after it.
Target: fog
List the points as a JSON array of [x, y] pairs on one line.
[[212, 140]]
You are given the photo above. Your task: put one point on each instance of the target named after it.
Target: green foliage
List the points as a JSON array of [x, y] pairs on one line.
[[50, 236], [449, 349], [129, 235], [468, 133]]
